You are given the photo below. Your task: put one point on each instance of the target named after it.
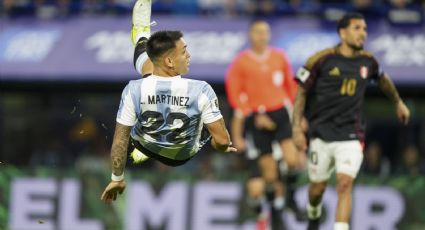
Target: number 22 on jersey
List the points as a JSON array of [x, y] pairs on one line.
[[156, 120]]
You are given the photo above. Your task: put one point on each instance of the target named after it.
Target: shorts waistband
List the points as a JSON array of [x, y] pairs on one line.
[[165, 160]]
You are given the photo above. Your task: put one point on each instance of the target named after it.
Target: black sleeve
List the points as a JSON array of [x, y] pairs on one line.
[[376, 71], [139, 49], [306, 75]]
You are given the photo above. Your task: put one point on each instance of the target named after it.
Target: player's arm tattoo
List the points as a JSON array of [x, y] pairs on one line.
[[387, 86], [299, 107], [220, 136], [119, 148], [223, 128], [223, 125]]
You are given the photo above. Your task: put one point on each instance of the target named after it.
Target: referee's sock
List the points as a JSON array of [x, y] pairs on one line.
[[279, 203], [256, 204]]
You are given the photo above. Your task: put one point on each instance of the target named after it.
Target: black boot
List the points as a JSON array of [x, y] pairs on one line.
[[313, 224]]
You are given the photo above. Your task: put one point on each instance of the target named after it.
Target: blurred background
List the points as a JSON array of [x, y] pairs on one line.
[[63, 65]]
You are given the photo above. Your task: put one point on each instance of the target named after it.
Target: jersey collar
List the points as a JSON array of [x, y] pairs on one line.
[[166, 78], [260, 57], [337, 51]]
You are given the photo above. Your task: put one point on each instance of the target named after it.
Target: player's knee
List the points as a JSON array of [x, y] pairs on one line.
[[344, 184], [255, 187], [268, 167], [292, 161], [290, 153], [270, 176]]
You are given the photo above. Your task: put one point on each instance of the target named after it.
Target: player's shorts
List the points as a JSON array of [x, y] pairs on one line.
[[205, 137], [254, 169], [263, 139], [162, 159], [324, 157]]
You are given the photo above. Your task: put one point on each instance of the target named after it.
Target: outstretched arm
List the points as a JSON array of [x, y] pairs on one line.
[[220, 136], [387, 86], [119, 159], [119, 148]]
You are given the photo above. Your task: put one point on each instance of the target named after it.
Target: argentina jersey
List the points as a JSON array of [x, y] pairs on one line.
[[167, 115]]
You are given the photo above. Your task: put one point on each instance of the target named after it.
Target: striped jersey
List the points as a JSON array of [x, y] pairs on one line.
[[168, 113]]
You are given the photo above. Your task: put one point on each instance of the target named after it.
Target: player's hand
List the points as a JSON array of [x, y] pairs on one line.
[[239, 143], [112, 190], [299, 139], [230, 149], [403, 112], [263, 121]]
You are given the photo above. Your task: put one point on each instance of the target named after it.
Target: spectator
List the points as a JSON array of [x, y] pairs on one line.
[[261, 7], [53, 155], [92, 6], [403, 12], [14, 8], [375, 163], [412, 164], [368, 8]]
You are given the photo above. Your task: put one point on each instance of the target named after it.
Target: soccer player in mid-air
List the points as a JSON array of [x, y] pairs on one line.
[[331, 96], [163, 114]]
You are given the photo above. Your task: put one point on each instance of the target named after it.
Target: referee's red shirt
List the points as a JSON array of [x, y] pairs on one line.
[[260, 83]]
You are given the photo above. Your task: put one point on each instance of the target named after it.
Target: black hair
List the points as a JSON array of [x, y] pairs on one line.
[[344, 22], [255, 21], [162, 41]]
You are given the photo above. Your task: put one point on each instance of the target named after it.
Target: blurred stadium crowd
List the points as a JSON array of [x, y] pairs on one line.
[[412, 10]]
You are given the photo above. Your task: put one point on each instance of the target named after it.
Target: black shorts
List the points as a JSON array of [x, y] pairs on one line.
[[164, 160], [263, 139], [254, 169], [205, 137]]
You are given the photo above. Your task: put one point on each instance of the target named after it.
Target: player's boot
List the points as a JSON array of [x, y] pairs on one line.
[[138, 157], [300, 215], [315, 216], [276, 220], [263, 221], [141, 20], [313, 224]]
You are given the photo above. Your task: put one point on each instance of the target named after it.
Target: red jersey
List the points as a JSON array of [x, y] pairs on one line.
[[260, 83]]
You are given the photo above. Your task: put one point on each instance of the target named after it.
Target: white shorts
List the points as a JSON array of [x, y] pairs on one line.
[[345, 156]]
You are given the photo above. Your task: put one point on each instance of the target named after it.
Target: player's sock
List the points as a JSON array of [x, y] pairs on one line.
[[279, 203], [341, 226], [269, 192], [140, 55], [314, 212], [256, 204]]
